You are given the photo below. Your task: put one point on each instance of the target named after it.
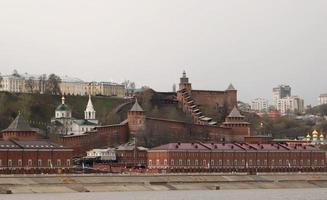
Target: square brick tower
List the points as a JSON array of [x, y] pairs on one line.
[[136, 119]]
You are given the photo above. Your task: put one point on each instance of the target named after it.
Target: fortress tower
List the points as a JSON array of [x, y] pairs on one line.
[[184, 83], [136, 119]]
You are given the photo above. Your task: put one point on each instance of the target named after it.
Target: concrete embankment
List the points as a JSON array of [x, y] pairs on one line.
[[108, 183]]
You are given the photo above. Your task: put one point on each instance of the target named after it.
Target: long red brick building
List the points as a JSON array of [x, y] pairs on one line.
[[22, 151], [238, 157]]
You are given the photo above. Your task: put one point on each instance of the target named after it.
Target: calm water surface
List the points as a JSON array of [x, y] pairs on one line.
[[263, 194]]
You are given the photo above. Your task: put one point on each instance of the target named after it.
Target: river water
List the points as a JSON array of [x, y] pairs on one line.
[[252, 194]]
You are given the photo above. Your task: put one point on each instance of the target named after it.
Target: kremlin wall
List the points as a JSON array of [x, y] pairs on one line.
[[199, 145]]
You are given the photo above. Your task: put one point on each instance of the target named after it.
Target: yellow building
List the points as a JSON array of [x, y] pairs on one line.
[[105, 89]]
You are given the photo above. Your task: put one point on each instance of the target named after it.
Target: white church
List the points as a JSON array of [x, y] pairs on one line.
[[65, 124]]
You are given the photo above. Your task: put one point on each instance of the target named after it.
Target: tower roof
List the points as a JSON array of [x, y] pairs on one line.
[[89, 107], [235, 113], [63, 106], [231, 87], [136, 107], [19, 124]]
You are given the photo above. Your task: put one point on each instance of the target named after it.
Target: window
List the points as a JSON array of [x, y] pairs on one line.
[[322, 162], [258, 162], [250, 162], [212, 162], [0, 163], [20, 163], [235, 162], [287, 162], [180, 162], [272, 162], [58, 163], [294, 162], [280, 162], [196, 162], [49, 163], [301, 162], [172, 163], [9, 163], [316, 162], [204, 162], [68, 162], [308, 162], [158, 162], [220, 162], [150, 162], [188, 162], [29, 162], [39, 163]]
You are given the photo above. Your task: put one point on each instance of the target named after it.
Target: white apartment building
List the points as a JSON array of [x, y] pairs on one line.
[[260, 105], [290, 104], [280, 92], [322, 99]]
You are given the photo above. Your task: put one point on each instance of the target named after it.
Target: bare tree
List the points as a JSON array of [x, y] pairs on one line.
[[52, 85], [15, 73], [42, 83], [1, 81], [174, 87], [29, 85]]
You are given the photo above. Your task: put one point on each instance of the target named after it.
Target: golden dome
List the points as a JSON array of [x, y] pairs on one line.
[[315, 133], [322, 136]]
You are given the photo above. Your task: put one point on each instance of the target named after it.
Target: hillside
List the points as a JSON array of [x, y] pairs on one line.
[[40, 108]]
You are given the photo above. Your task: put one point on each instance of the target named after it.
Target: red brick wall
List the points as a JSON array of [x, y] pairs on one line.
[[174, 131], [212, 98], [20, 135], [104, 136]]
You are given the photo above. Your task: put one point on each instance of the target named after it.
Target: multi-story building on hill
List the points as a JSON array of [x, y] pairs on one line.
[[280, 92], [26, 83], [293, 104], [72, 86], [322, 99], [259, 105], [105, 89]]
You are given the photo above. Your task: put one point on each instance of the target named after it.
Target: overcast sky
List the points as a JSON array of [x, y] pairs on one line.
[[254, 44]]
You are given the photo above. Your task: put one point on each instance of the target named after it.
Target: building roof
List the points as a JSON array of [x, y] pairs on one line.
[[231, 87], [63, 106], [233, 147], [84, 122], [19, 124], [89, 107], [181, 146], [136, 107], [35, 144], [235, 113]]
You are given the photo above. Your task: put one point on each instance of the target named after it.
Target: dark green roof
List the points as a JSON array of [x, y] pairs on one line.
[[83, 122], [19, 124], [63, 107]]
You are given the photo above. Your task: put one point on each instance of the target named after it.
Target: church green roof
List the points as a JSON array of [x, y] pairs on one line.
[[63, 107]]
